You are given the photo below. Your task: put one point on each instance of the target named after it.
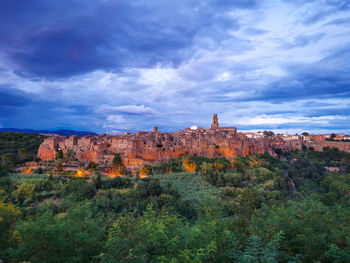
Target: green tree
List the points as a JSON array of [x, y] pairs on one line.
[[92, 165], [59, 154], [23, 154], [97, 180], [117, 160], [206, 168], [163, 237], [79, 190], [248, 202], [59, 165], [39, 170], [72, 237], [9, 214], [256, 252], [23, 192], [310, 229], [7, 160]]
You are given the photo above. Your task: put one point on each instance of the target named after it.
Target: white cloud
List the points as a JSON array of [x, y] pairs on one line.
[[127, 109], [225, 76], [115, 118], [114, 121], [269, 120]]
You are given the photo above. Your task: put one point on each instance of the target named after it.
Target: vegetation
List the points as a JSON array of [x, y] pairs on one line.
[[251, 209], [17, 148]]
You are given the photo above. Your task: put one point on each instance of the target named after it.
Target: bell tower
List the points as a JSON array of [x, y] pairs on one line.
[[215, 123]]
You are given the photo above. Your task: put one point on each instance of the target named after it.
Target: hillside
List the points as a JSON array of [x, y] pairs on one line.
[[190, 209]]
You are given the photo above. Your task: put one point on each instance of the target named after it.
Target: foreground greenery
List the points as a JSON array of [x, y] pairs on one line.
[[252, 209]]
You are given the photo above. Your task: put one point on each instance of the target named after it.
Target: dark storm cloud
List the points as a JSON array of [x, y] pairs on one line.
[[13, 97], [12, 100], [58, 39], [328, 77], [62, 51]]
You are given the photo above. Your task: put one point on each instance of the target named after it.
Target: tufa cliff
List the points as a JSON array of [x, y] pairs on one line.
[[151, 147]]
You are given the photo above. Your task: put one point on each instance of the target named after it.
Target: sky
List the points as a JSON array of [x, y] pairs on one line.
[[112, 66]]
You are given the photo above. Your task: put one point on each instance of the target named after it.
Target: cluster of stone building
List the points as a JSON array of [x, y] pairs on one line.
[[151, 147]]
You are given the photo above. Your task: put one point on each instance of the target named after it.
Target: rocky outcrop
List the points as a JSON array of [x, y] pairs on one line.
[[151, 147]]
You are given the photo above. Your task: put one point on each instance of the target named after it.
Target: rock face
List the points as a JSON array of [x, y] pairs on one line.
[[151, 147]]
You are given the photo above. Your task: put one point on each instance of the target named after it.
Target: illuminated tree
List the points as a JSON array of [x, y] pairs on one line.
[[189, 165]]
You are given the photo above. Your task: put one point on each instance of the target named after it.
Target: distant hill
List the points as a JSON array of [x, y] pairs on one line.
[[59, 132]]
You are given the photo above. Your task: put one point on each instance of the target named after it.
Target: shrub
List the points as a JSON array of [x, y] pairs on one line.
[[23, 192]]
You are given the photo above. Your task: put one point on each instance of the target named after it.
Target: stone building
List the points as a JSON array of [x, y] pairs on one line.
[[151, 147]]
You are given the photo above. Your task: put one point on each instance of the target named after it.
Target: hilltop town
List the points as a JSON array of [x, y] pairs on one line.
[[155, 146]]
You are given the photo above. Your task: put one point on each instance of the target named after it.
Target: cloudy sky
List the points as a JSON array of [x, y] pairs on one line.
[[121, 65]]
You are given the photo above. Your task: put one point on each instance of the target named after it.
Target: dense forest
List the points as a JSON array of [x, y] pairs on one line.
[[17, 148], [259, 208]]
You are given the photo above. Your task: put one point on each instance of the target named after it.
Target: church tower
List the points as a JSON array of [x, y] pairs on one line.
[[215, 123]]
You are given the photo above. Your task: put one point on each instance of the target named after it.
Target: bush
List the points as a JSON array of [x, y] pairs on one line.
[[9, 214], [8, 160], [117, 160], [72, 237], [23, 192], [79, 189], [310, 229], [38, 170], [91, 165]]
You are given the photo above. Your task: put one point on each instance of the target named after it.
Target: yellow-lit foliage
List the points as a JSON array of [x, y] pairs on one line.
[[114, 172], [62, 214], [8, 213], [27, 171], [218, 166], [81, 173], [144, 171], [253, 162], [189, 165], [33, 164]]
